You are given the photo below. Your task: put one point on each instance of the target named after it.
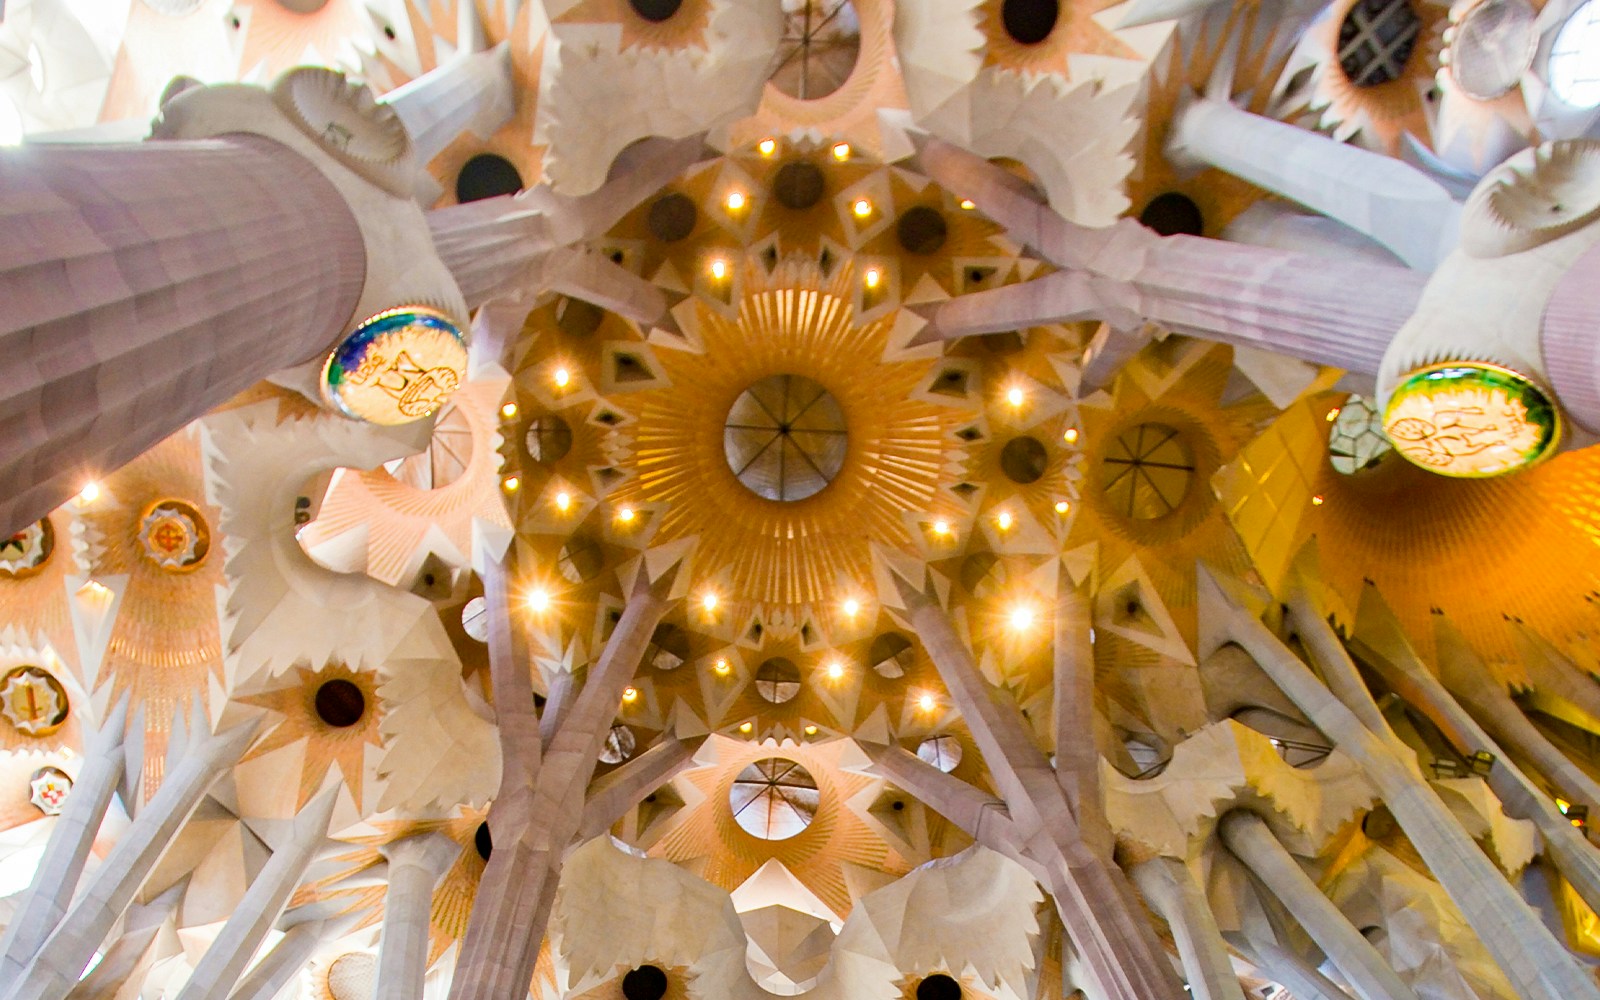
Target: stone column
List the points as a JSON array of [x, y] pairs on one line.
[[46, 899], [144, 284], [54, 969], [1535, 963], [1171, 891], [415, 865], [472, 92], [224, 962], [267, 978], [1289, 970], [1248, 837], [1392, 202]]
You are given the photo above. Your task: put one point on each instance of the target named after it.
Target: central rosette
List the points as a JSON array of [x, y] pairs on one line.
[[785, 438]]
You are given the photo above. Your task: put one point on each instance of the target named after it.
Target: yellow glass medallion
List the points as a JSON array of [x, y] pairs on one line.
[[1471, 420], [399, 366]]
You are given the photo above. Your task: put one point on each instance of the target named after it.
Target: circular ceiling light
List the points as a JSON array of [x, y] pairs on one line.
[[1471, 420], [1147, 471], [1574, 66], [399, 366], [1493, 46], [773, 799], [785, 438]]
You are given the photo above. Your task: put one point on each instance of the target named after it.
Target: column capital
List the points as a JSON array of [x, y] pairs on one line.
[[432, 852]]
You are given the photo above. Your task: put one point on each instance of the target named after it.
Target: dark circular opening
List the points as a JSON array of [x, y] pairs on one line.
[[487, 176], [672, 217], [922, 230], [1173, 214], [577, 318], [340, 703], [1028, 22], [549, 438], [1376, 40], [1024, 459], [891, 654], [938, 987], [798, 185], [655, 10], [778, 680], [482, 841], [647, 982]]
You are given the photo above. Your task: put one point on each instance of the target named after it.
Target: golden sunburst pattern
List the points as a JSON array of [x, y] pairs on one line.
[[321, 719]]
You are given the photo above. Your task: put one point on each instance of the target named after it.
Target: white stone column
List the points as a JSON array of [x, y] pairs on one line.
[[1289, 970], [46, 899], [472, 92], [55, 968], [1395, 204], [279, 966], [415, 865], [1171, 891], [220, 967], [1248, 837]]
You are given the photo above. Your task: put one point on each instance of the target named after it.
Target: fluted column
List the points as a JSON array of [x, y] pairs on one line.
[[1536, 964], [224, 962], [267, 978], [46, 899], [415, 865], [55, 968], [1171, 891], [1392, 202], [145, 284], [1288, 970], [472, 92], [1248, 837]]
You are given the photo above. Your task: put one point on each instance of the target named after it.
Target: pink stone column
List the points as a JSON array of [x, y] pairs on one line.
[[144, 284], [1567, 337]]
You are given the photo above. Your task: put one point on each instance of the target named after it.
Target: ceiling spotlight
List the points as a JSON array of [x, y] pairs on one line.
[[510, 484], [563, 501], [709, 601], [926, 703], [719, 269], [1002, 520], [862, 208], [850, 607], [811, 730], [625, 515], [561, 377], [1062, 506], [747, 728], [835, 670], [941, 527], [538, 601], [1015, 396], [630, 695], [1021, 617], [1318, 500], [872, 277], [841, 151], [967, 205], [735, 201], [721, 666], [1333, 414], [767, 146], [90, 492], [508, 411], [1071, 436]]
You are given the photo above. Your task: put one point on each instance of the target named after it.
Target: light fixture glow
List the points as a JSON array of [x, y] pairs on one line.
[[90, 492], [941, 527], [841, 151], [510, 484], [872, 277], [563, 501], [850, 607], [767, 146], [967, 204], [1062, 506], [561, 377], [1333, 414], [625, 515], [1021, 617], [1002, 520], [508, 411], [835, 670], [811, 730], [630, 695], [721, 666], [735, 201], [862, 208], [719, 269], [1071, 435], [927, 703], [747, 728], [709, 601], [1015, 396], [1317, 501], [538, 601]]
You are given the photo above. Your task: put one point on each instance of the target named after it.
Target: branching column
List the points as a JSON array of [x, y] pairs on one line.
[[415, 864], [473, 91], [1172, 892], [1536, 964], [541, 804], [1041, 829], [55, 968], [1248, 837], [277, 967], [145, 284], [47, 898]]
